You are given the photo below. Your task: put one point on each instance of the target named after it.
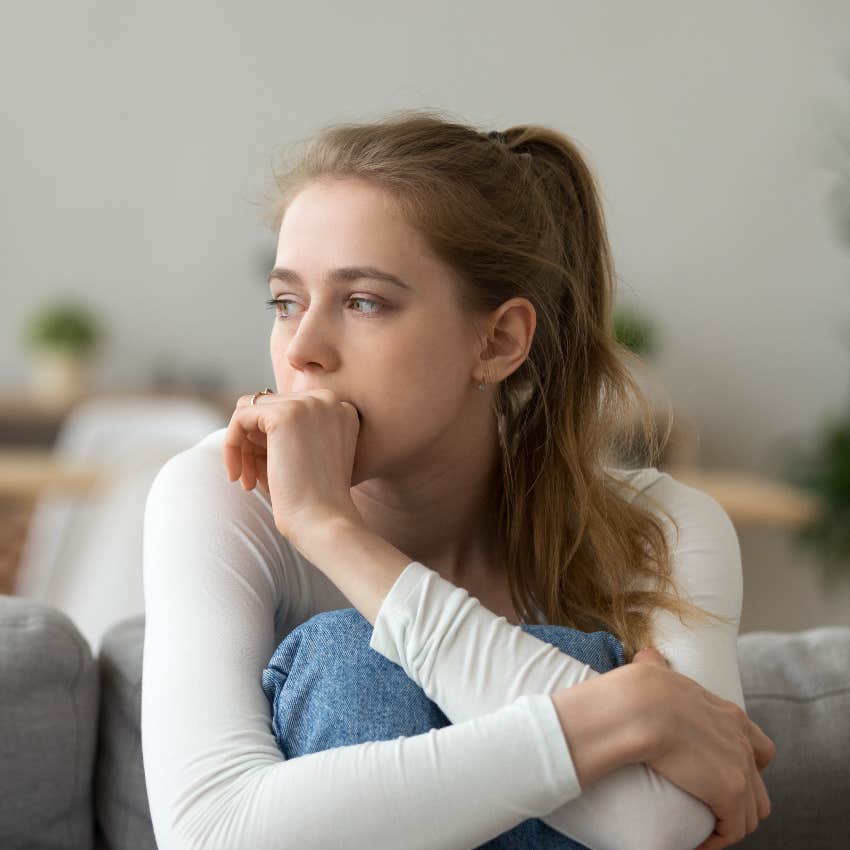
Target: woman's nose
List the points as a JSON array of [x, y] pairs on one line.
[[312, 343]]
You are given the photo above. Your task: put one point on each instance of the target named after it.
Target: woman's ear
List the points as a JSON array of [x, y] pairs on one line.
[[509, 339]]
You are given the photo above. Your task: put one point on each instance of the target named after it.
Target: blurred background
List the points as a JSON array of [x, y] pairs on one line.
[[137, 150]]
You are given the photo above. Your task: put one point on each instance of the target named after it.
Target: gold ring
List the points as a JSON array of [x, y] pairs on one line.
[[266, 391]]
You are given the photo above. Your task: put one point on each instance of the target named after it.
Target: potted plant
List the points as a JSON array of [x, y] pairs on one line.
[[62, 336], [823, 466], [634, 330]]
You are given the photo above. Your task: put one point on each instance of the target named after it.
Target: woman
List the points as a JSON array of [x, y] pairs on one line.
[[448, 390]]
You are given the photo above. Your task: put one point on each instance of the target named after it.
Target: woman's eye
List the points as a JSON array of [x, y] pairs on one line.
[[274, 303], [367, 301]]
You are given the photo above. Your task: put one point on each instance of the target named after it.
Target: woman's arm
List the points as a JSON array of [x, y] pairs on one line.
[[468, 660], [221, 586]]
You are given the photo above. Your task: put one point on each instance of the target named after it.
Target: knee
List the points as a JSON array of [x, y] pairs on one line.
[[328, 687], [346, 629], [600, 649], [330, 643]]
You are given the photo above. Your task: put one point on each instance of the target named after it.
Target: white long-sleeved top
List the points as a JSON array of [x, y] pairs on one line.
[[223, 587]]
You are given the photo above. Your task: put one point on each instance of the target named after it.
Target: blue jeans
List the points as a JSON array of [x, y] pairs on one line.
[[328, 688]]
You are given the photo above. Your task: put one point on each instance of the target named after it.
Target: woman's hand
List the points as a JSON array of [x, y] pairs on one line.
[[706, 745], [300, 448]]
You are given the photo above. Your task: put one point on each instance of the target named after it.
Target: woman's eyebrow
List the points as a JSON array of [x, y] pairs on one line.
[[342, 275]]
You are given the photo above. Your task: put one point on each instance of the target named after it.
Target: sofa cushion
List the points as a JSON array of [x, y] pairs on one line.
[[48, 728], [120, 794], [797, 689]]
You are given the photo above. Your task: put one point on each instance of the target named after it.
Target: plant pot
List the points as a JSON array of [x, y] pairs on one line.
[[58, 377]]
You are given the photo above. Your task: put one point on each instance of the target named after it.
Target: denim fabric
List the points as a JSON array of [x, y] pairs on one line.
[[328, 688]]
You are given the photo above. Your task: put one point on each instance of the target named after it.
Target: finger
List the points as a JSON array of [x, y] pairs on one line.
[[752, 801], [650, 655], [763, 747], [249, 472], [715, 841], [263, 481], [731, 822], [231, 450], [244, 421], [232, 462], [762, 797], [260, 461], [353, 407], [725, 834]]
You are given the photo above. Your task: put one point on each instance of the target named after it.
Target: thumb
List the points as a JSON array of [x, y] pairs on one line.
[[650, 655]]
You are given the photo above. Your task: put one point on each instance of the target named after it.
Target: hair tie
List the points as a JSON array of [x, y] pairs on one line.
[[496, 136]]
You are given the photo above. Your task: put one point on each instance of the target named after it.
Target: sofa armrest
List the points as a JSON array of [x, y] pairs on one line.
[[797, 688], [49, 693]]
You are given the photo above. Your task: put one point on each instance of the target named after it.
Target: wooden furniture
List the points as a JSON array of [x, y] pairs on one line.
[[14, 525], [748, 498], [751, 499], [29, 470], [25, 473], [26, 420]]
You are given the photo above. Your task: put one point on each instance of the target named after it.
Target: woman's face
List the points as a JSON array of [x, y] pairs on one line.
[[402, 354]]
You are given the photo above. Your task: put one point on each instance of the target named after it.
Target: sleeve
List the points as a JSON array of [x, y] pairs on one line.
[[468, 661], [219, 594]]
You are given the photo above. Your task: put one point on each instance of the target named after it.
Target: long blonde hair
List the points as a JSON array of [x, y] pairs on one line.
[[522, 218]]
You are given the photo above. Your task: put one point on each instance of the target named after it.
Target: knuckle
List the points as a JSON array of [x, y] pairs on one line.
[[743, 741], [307, 402], [738, 783], [288, 413], [739, 714]]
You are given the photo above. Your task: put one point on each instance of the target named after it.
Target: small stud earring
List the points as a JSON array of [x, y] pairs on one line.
[[481, 386]]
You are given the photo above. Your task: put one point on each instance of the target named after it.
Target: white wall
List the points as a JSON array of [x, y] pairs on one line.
[[136, 141]]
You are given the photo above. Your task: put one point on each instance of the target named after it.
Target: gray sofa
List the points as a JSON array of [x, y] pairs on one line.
[[71, 772]]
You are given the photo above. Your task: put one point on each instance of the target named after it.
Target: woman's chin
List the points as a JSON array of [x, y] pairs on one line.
[[358, 471], [363, 471]]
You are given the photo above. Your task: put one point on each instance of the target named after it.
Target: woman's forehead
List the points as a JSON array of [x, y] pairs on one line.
[[349, 223]]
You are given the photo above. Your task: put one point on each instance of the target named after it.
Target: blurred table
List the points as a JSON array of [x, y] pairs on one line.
[[748, 498], [751, 499], [27, 421], [29, 469], [26, 472], [28, 429]]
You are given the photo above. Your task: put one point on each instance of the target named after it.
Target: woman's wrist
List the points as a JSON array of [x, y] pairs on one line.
[[604, 724]]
